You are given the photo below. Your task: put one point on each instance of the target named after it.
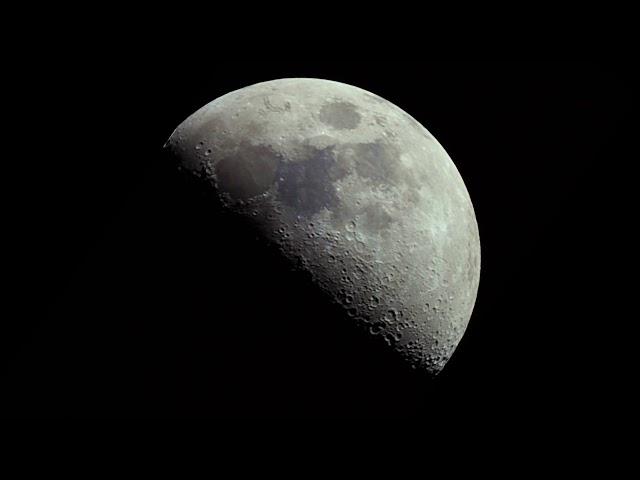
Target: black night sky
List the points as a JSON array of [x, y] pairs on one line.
[[128, 303]]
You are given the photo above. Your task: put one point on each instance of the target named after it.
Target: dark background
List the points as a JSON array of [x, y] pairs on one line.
[[130, 298]]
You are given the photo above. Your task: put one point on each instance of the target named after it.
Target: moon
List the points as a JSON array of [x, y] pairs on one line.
[[354, 191]]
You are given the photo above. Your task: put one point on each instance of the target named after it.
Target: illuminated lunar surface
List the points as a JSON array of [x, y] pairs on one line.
[[356, 192]]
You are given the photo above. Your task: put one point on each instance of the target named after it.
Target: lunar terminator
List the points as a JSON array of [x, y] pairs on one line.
[[354, 191]]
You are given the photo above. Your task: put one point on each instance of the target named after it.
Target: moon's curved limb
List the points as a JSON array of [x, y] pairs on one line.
[[355, 191]]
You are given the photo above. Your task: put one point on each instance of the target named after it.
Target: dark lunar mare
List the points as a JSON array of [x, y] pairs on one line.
[[307, 186]]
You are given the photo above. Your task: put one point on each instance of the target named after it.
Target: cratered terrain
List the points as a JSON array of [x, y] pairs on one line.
[[355, 193]]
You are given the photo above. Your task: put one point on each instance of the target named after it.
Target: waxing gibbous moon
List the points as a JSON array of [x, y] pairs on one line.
[[354, 191]]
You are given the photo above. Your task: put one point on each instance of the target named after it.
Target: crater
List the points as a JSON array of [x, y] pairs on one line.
[[212, 128], [340, 115]]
